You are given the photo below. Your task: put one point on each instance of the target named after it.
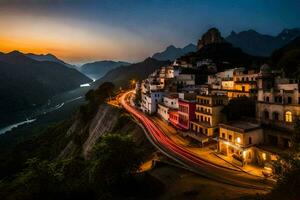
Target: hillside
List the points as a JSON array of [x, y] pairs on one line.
[[172, 52], [122, 75], [288, 58], [48, 57], [224, 55], [26, 83], [96, 70], [255, 43], [74, 158]]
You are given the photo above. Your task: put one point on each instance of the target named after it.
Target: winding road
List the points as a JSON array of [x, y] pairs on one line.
[[187, 158]]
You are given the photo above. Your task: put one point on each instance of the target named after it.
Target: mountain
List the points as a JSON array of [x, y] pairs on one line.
[[225, 55], [48, 57], [98, 69], [121, 76], [25, 82], [172, 52], [288, 58], [258, 44], [212, 36]]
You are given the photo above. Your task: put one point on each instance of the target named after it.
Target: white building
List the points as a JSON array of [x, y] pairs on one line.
[[169, 102], [150, 101]]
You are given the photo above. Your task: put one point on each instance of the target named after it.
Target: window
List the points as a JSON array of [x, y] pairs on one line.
[[223, 135], [250, 140], [289, 100], [267, 99], [266, 114], [288, 116], [230, 137]]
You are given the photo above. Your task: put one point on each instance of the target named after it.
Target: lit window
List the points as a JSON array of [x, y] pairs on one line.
[[264, 156], [288, 116], [238, 140]]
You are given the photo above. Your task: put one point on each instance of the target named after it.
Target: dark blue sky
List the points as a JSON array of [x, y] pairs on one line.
[[139, 28]]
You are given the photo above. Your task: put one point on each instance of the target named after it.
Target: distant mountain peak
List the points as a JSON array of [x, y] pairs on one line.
[[171, 47], [212, 36], [15, 52], [172, 52], [98, 69]]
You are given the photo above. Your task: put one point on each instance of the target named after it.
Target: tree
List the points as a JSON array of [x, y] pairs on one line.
[[288, 171], [115, 160], [138, 97]]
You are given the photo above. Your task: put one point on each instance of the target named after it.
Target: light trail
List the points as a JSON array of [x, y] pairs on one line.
[[196, 163]]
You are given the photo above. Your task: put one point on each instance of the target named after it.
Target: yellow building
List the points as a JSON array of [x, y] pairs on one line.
[[237, 140], [208, 114], [244, 83]]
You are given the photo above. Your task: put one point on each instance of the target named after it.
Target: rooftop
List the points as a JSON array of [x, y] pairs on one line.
[[240, 126]]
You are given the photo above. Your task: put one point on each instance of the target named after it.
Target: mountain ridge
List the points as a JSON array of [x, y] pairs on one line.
[[255, 43], [171, 52], [27, 83], [97, 69]]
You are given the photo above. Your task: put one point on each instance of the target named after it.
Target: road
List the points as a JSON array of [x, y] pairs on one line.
[[189, 159]]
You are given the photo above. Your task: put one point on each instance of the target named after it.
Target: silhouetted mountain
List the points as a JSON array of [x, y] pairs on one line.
[[121, 76], [288, 58], [172, 52], [255, 43], [98, 69], [25, 82], [212, 36], [224, 55], [48, 57]]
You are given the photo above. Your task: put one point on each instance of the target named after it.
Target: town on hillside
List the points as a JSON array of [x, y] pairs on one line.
[[244, 116]]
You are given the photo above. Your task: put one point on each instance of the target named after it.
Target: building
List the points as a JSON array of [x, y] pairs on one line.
[[185, 79], [186, 112], [278, 107], [174, 117], [150, 101], [169, 102], [238, 140], [208, 114]]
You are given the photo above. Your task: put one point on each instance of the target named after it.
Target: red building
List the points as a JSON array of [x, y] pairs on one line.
[[186, 113], [174, 117]]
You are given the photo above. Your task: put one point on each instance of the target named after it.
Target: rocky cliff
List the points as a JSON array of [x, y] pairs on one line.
[[107, 120], [212, 36]]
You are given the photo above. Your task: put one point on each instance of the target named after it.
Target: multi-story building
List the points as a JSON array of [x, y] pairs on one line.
[[208, 114], [238, 140], [169, 103], [186, 112], [150, 101], [235, 82], [278, 107], [174, 118], [185, 79]]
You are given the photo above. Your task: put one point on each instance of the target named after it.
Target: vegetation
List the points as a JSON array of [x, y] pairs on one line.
[[138, 97], [114, 163], [288, 58], [240, 107], [110, 173], [287, 170], [95, 98]]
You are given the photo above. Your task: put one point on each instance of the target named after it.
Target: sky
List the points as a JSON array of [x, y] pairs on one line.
[[80, 31]]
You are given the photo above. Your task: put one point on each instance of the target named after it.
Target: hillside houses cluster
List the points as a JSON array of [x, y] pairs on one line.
[[196, 110]]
